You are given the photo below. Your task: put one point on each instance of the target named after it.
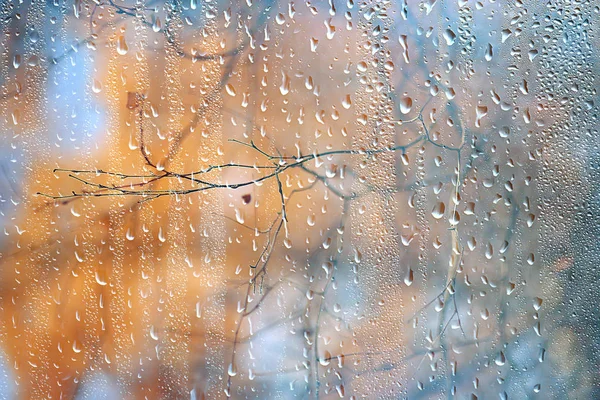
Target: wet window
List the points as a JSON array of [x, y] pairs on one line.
[[206, 199]]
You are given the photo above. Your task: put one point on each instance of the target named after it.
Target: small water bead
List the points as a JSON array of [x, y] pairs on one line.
[[122, 47], [438, 210], [406, 104], [449, 37], [347, 102]]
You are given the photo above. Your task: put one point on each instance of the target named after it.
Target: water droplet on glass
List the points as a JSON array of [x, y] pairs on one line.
[[406, 104], [500, 359], [347, 102], [438, 210], [284, 88], [449, 36], [122, 48]]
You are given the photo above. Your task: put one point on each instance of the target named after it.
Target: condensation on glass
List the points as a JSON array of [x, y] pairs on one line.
[[299, 199]]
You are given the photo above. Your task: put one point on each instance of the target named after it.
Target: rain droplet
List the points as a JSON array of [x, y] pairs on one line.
[[489, 52], [17, 61], [96, 86], [500, 359], [406, 104], [100, 280], [122, 48], [409, 278], [230, 89], [455, 218], [239, 216], [156, 24], [347, 102], [480, 112], [232, 370], [438, 210], [489, 251], [313, 44], [285, 84], [449, 36], [330, 29]]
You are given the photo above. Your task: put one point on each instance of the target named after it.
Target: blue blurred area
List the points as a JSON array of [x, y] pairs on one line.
[[73, 113], [7, 385], [98, 387]]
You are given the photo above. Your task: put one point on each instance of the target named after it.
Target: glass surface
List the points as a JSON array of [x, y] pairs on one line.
[[264, 199]]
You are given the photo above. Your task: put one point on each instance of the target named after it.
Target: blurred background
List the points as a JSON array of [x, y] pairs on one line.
[[299, 199]]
